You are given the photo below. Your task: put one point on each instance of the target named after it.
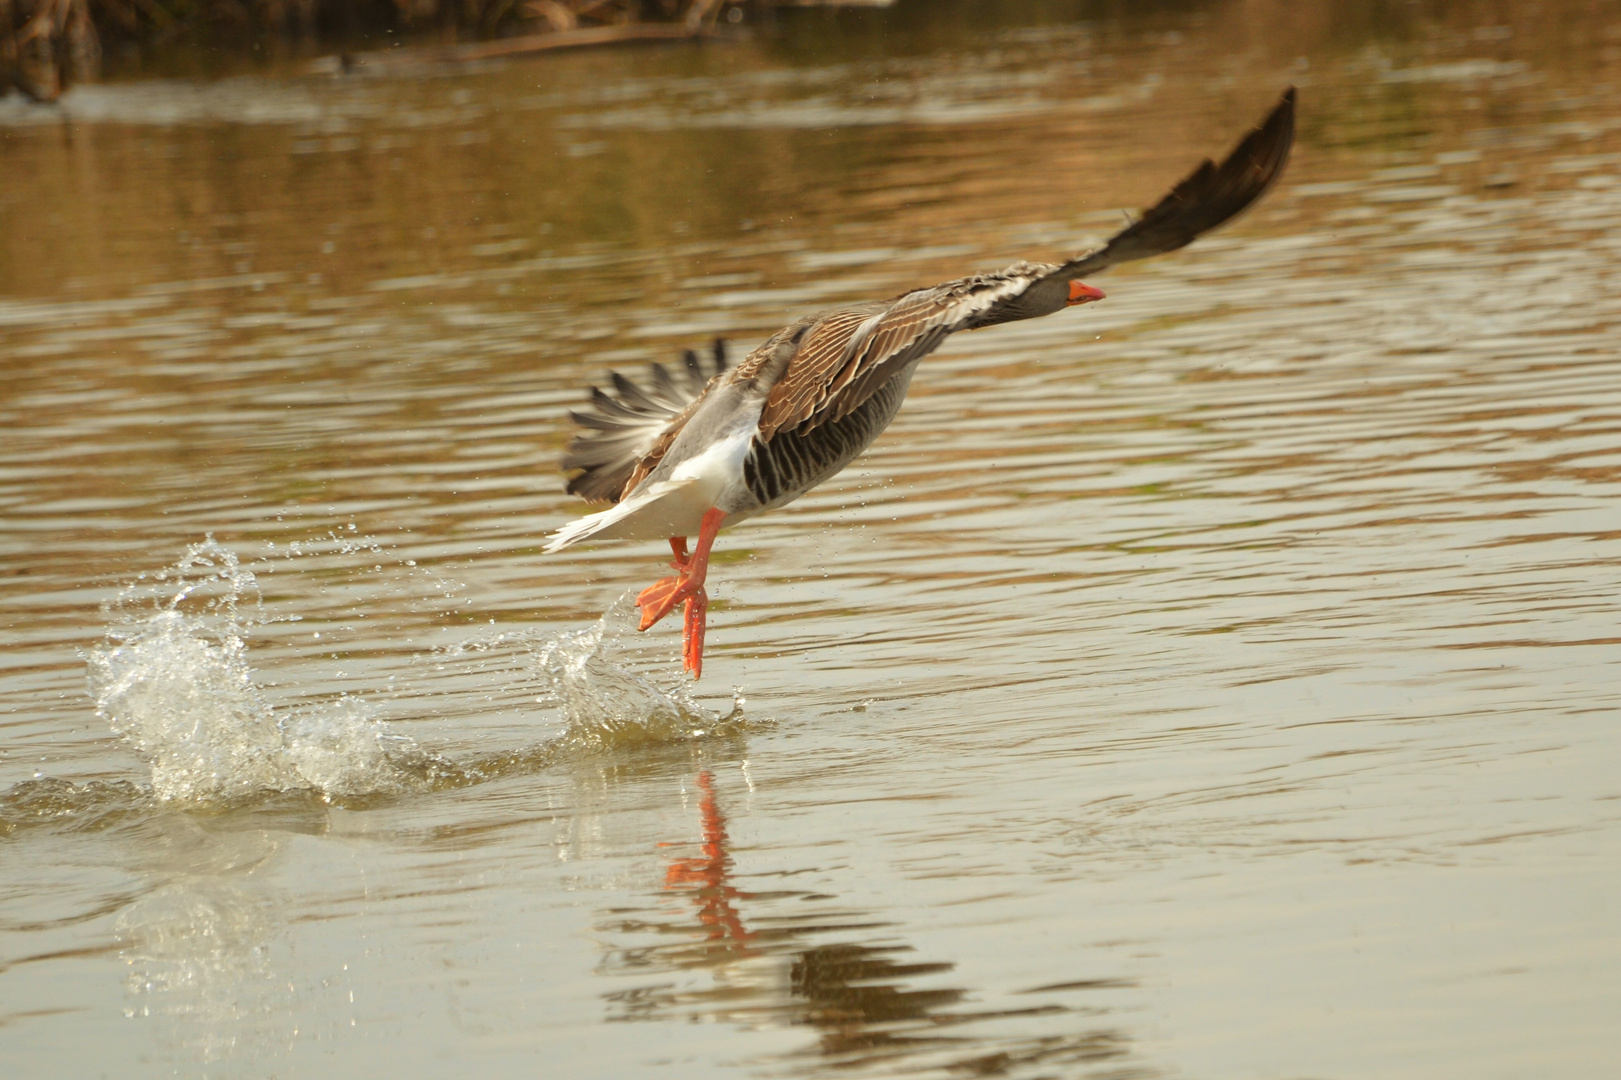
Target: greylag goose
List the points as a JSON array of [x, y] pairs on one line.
[[697, 450]]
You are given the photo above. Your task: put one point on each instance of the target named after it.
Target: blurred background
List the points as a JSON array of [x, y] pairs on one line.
[[1219, 680]]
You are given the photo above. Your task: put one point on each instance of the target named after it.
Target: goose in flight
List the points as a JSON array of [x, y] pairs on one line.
[[696, 450]]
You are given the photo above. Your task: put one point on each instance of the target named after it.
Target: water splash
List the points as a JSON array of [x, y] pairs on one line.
[[173, 680], [599, 680], [606, 703]]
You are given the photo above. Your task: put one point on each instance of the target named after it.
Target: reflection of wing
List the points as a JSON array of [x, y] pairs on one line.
[[1211, 195], [625, 427]]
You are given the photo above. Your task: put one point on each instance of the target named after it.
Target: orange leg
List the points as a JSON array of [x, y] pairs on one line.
[[661, 597], [692, 633]]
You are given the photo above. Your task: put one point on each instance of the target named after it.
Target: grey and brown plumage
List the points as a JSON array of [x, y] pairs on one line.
[[702, 446]]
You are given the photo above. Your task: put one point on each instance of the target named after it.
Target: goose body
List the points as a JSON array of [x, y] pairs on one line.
[[710, 444]]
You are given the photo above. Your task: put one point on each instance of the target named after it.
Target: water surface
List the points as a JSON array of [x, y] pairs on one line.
[[1220, 680]]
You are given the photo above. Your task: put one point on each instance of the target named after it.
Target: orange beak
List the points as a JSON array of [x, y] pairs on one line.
[[1082, 293]]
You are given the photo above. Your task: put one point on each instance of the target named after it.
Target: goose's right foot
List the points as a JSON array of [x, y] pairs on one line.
[[661, 597]]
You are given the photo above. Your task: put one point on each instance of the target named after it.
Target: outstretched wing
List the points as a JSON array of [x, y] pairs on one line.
[[624, 427], [1211, 195], [847, 355]]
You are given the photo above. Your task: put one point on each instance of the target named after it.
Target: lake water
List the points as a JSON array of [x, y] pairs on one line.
[[1222, 680]]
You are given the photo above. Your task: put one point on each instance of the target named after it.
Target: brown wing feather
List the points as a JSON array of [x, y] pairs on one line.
[[816, 366], [848, 354], [896, 338]]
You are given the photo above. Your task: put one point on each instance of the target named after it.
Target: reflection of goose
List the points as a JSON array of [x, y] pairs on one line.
[[685, 457], [803, 960], [708, 875]]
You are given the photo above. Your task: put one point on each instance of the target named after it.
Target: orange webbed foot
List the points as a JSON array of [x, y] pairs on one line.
[[661, 597]]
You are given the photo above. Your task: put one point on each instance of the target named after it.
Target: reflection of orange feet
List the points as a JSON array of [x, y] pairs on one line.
[[708, 876]]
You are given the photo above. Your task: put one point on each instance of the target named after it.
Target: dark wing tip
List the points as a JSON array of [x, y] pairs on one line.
[[1207, 198]]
